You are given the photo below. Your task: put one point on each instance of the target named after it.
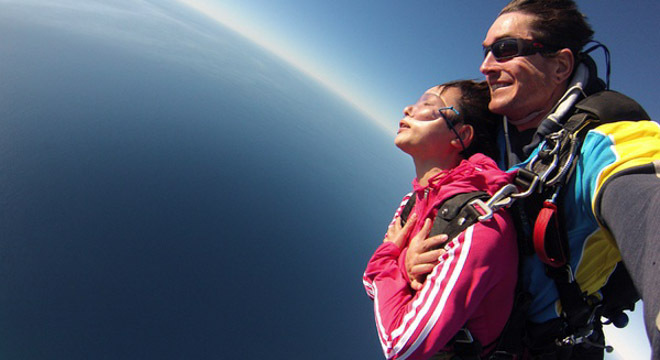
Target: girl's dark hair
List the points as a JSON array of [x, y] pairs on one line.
[[473, 110], [558, 23]]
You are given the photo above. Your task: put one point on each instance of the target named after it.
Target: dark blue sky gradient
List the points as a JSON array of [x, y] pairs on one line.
[[156, 207]]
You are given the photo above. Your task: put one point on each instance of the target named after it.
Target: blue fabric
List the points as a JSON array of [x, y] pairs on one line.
[[582, 228]]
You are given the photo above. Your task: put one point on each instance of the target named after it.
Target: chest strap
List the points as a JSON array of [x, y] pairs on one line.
[[455, 214]]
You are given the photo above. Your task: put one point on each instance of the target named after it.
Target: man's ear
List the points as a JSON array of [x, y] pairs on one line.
[[564, 65]]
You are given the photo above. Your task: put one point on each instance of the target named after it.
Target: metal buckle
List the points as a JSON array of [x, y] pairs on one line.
[[581, 337], [530, 179], [572, 340], [502, 198], [557, 138], [486, 211], [565, 166], [464, 336]]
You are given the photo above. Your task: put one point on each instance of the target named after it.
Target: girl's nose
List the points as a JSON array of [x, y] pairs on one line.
[[408, 111]]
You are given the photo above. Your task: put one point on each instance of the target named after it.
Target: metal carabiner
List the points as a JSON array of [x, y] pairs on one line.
[[566, 166], [502, 198], [499, 200], [554, 152], [535, 180]]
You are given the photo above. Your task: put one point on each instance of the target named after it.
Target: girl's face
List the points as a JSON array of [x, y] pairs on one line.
[[424, 132]]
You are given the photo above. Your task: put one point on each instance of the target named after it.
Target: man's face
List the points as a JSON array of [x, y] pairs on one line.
[[521, 87]]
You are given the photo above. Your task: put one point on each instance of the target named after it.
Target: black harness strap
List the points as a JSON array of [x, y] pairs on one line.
[[405, 213], [454, 215]]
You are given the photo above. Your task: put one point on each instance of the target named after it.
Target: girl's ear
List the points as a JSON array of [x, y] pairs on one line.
[[466, 132]]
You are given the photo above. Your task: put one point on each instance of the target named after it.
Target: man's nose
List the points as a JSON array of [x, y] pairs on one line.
[[487, 64], [408, 111]]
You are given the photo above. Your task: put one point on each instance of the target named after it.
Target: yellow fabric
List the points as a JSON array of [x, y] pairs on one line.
[[634, 143], [599, 259]]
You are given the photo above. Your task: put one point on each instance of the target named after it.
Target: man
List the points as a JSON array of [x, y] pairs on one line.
[[537, 74]]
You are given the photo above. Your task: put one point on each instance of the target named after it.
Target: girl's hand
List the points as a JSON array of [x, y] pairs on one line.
[[398, 234]]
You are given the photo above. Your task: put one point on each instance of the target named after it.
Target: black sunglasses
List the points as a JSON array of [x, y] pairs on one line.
[[508, 48]]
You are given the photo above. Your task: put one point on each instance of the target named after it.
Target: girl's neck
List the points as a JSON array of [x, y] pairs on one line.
[[427, 169]]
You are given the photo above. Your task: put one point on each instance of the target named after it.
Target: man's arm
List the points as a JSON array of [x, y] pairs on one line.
[[630, 208], [627, 203]]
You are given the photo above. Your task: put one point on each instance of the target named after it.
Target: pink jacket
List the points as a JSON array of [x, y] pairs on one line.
[[473, 284]]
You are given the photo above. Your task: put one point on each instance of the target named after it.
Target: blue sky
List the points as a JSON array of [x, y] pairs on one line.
[[380, 56]]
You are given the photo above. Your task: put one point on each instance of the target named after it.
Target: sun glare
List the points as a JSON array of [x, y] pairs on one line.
[[238, 23]]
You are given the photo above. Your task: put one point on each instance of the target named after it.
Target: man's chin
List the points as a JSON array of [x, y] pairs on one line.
[[497, 107]]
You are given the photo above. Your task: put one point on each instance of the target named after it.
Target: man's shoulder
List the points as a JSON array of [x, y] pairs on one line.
[[611, 106]]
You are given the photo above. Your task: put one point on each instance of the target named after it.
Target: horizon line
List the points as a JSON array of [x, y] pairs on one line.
[[215, 13]]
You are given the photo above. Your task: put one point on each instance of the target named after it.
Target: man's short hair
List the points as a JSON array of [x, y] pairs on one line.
[[558, 23]]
